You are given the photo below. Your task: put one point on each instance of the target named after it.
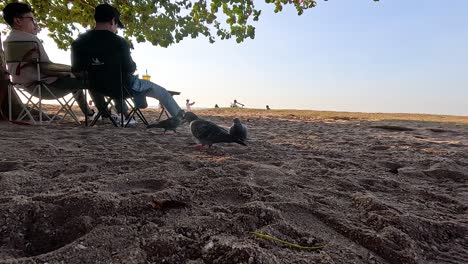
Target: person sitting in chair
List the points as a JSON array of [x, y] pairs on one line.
[[104, 39], [56, 76]]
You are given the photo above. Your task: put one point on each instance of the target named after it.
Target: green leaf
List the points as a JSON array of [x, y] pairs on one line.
[[160, 22]]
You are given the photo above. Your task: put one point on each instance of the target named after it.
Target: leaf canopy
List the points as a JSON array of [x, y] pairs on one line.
[[160, 22]]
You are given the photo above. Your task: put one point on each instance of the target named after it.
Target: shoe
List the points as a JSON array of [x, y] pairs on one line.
[[127, 122], [107, 119], [130, 122], [92, 116]]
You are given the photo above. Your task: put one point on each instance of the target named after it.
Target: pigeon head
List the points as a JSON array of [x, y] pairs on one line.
[[189, 117], [236, 121]]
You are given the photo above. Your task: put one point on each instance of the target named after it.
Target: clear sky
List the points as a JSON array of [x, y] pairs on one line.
[[343, 55]]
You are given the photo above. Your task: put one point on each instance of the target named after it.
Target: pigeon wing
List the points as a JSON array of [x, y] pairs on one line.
[[238, 131], [160, 124], [169, 124]]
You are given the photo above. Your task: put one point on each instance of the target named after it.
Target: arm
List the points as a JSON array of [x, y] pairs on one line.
[[55, 69], [76, 62], [128, 64], [42, 53]]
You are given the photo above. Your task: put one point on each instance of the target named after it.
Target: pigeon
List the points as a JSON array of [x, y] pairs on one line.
[[238, 130], [208, 133], [169, 124]]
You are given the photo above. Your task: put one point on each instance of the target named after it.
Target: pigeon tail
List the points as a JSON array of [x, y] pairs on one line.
[[241, 142], [157, 125]]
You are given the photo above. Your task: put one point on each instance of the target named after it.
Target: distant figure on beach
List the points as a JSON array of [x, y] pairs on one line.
[[267, 107], [188, 105], [216, 106], [236, 104], [24, 27]]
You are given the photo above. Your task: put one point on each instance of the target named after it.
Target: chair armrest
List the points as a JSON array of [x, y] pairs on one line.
[[78, 75], [55, 69], [173, 93]]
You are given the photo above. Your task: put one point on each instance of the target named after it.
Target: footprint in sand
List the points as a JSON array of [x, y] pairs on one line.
[[394, 128], [6, 166]]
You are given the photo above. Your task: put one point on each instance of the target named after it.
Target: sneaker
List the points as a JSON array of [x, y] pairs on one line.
[[107, 119], [127, 122], [91, 117], [130, 122]]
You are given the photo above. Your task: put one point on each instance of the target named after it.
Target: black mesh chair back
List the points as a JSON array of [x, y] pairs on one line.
[[103, 74]]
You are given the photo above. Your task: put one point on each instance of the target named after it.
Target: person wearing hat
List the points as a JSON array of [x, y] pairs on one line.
[[56, 76], [104, 39]]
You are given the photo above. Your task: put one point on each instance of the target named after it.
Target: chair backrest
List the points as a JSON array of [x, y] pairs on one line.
[[21, 51], [103, 74], [25, 53]]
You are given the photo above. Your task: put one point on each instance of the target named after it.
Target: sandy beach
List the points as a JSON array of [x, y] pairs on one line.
[[364, 191]]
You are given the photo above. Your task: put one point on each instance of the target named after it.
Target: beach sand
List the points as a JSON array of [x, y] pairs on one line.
[[388, 191]]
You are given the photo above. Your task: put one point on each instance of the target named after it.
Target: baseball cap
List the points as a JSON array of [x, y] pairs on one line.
[[105, 13]]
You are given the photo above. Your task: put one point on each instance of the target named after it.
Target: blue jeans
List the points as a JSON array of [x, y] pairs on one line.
[[143, 88]]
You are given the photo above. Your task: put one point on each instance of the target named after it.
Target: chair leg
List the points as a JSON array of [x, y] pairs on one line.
[[162, 112], [141, 116], [66, 107], [24, 107], [9, 102], [13, 93], [25, 111], [40, 104], [93, 122], [136, 111], [86, 100], [99, 114]]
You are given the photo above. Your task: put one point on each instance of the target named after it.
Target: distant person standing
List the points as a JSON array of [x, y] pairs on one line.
[[188, 105], [236, 103], [267, 107]]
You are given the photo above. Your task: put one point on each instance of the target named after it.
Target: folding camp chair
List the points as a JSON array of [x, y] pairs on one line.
[[27, 54], [103, 75]]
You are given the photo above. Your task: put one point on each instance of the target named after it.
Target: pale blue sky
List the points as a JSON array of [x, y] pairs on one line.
[[360, 55]]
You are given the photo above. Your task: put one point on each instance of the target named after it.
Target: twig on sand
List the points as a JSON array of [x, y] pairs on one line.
[[289, 244]]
